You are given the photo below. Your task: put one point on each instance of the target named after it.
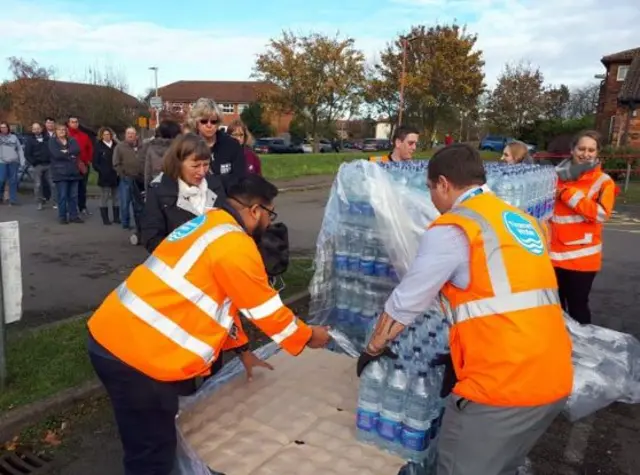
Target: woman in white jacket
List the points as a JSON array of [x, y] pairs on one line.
[[11, 156]]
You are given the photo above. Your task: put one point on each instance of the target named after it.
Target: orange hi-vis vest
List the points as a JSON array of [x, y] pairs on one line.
[[576, 225], [509, 343], [171, 318], [380, 158]]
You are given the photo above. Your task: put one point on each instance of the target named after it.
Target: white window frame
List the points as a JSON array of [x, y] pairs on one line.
[[623, 70], [228, 108]]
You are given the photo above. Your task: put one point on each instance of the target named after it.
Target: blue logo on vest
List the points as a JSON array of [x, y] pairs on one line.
[[524, 232], [186, 229]]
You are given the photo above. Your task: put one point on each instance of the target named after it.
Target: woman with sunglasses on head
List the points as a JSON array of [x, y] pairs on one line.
[[227, 156]]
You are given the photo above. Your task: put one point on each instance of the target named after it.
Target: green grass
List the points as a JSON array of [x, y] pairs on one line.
[[632, 195], [286, 167], [42, 362]]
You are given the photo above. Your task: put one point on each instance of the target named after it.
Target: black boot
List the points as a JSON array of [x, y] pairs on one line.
[[116, 215], [104, 213]]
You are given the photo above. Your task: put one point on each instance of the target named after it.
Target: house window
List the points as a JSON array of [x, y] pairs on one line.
[[228, 108], [622, 72], [242, 107]]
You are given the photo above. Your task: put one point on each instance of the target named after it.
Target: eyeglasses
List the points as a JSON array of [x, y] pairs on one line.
[[210, 121], [272, 214]]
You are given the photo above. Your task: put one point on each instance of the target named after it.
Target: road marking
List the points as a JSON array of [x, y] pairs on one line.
[[578, 441]]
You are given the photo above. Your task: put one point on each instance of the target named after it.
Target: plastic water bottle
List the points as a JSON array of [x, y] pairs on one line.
[[368, 256], [372, 382], [392, 409], [342, 304], [342, 252], [355, 309], [416, 427], [355, 244]]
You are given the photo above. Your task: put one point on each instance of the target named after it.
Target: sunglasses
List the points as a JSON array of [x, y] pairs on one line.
[[210, 121]]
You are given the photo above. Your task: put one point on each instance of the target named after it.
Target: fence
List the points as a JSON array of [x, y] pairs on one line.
[[615, 165]]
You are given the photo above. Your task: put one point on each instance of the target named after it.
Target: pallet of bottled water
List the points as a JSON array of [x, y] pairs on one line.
[[373, 221]]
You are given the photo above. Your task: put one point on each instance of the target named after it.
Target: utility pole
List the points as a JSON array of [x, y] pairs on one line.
[[403, 75], [155, 73]]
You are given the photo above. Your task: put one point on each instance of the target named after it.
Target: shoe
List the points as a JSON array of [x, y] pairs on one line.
[[40, 206], [116, 215], [104, 213], [134, 240], [77, 220], [85, 212], [63, 221], [55, 206]]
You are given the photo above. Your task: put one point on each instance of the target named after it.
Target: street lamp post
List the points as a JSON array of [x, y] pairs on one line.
[[155, 73], [403, 75]]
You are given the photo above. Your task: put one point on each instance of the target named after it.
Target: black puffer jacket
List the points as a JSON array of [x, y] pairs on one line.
[[36, 150], [64, 160], [163, 212], [103, 164]]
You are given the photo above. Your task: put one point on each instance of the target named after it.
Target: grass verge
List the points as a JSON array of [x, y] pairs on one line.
[[632, 195], [42, 362]]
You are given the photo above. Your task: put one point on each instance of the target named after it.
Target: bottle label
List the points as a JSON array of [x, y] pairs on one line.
[[367, 267], [354, 264], [414, 439], [342, 262], [367, 420], [381, 269], [389, 429]]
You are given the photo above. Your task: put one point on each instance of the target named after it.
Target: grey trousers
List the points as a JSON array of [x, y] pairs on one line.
[[109, 194], [42, 173], [477, 439]]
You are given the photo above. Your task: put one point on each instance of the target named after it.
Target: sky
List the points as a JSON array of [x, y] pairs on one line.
[[219, 40]]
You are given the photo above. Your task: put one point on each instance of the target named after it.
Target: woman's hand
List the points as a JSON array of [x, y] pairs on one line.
[[250, 361]]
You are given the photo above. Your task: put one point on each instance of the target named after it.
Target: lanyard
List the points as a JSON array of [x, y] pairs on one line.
[[471, 193]]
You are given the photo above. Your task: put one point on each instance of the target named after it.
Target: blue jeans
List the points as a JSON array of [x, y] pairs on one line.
[[9, 173], [130, 197], [67, 198]]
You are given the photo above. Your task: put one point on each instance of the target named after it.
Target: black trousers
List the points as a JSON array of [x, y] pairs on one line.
[[574, 288], [145, 412], [82, 191]]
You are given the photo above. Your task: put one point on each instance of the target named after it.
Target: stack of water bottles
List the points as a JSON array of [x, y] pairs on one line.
[[399, 404]]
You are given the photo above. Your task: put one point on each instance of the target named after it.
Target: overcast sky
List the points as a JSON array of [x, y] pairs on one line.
[[210, 40]]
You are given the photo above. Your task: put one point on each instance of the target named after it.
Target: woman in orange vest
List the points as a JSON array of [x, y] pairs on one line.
[[585, 199], [510, 350], [170, 320]]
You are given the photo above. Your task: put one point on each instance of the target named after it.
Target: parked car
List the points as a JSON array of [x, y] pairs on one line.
[[376, 145], [497, 143], [275, 145]]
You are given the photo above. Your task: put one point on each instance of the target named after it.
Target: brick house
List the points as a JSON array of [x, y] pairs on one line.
[[619, 98], [232, 98]]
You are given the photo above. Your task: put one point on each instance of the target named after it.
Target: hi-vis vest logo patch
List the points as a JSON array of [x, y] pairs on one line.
[[187, 228], [523, 232]]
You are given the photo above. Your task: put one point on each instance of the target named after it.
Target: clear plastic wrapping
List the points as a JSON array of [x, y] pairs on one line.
[[393, 201]]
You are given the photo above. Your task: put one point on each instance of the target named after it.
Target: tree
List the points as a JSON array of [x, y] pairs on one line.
[[314, 75], [557, 100], [517, 100], [583, 101], [444, 72], [253, 117], [382, 93]]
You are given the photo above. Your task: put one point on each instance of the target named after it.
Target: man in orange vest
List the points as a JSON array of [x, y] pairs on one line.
[[405, 140], [510, 362], [170, 320]]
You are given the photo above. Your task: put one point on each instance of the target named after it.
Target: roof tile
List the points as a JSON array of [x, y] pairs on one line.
[[626, 55], [236, 92]]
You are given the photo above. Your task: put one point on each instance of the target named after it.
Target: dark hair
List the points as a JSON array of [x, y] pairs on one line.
[[168, 129], [460, 164], [7, 124], [49, 118], [401, 133], [253, 189], [181, 148], [592, 134], [73, 116]]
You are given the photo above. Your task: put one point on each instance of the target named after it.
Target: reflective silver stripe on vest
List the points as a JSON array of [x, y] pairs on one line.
[[568, 255], [265, 309], [601, 216], [597, 185], [570, 219], [189, 291], [575, 199], [286, 333], [506, 304], [163, 324], [495, 262], [197, 249]]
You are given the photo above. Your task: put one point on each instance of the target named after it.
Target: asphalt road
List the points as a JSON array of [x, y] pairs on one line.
[[69, 269], [73, 267]]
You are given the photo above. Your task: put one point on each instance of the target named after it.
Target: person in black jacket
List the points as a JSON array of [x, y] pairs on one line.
[[107, 176], [36, 152], [65, 153], [227, 155], [185, 189]]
